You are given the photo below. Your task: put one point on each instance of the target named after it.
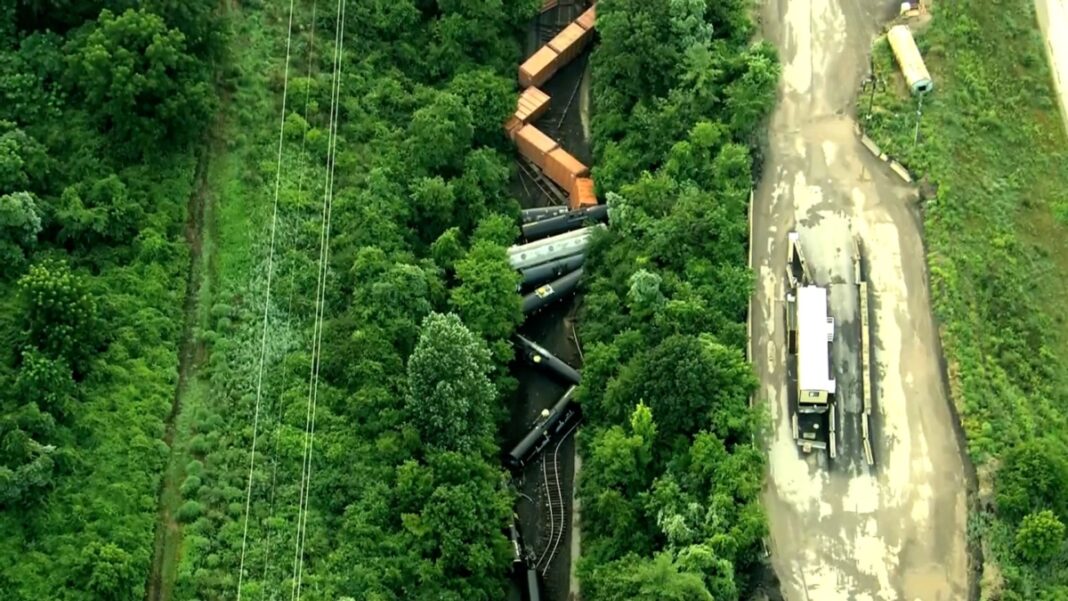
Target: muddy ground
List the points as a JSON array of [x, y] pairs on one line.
[[551, 328], [841, 530]]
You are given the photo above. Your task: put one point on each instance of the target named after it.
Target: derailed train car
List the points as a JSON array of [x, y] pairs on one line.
[[521, 563], [541, 213], [566, 222], [522, 256], [543, 296], [546, 272], [564, 414], [538, 356]]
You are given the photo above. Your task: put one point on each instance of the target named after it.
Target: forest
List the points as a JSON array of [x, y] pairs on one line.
[[122, 477], [101, 109], [991, 153], [671, 474]]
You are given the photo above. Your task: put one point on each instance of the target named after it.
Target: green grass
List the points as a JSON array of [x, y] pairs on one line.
[[234, 215], [992, 146]]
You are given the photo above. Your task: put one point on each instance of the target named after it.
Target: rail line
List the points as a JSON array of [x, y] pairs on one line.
[[545, 186], [555, 534]]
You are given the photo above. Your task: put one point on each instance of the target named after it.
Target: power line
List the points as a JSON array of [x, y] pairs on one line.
[[317, 333], [289, 310], [266, 303]]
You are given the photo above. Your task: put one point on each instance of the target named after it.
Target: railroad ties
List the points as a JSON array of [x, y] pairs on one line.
[[544, 184], [554, 502], [550, 258]]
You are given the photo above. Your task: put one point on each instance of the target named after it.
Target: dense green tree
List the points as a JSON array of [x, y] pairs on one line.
[[46, 382], [391, 297], [496, 228], [486, 297], [450, 398], [1033, 477], [678, 95], [20, 222], [717, 572], [644, 297], [440, 134], [644, 579], [60, 312], [476, 31], [22, 159], [435, 533], [384, 19], [633, 59], [433, 202], [621, 459], [139, 80], [490, 98], [689, 383], [483, 188], [748, 96], [27, 460], [102, 211], [1040, 536], [110, 573], [448, 249]]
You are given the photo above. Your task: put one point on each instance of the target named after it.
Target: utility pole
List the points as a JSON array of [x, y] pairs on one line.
[[919, 114]]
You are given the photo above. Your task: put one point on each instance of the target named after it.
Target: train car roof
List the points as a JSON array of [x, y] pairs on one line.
[[814, 331]]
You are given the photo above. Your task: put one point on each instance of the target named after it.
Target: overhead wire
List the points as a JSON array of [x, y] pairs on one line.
[[266, 303], [277, 421], [324, 258]]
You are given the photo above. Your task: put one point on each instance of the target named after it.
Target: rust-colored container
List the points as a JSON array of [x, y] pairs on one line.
[[582, 193], [587, 19], [563, 168], [537, 69], [532, 103], [512, 125], [569, 43], [534, 145]]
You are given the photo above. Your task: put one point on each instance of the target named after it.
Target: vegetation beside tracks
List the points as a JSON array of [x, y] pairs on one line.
[[670, 472], [406, 498], [993, 152]]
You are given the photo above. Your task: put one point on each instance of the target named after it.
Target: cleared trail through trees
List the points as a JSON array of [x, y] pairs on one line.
[[191, 353], [841, 530]]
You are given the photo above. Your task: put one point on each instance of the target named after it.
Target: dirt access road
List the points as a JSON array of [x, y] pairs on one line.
[[842, 531]]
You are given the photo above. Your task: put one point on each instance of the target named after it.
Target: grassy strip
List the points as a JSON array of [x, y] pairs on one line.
[[386, 510], [992, 147]]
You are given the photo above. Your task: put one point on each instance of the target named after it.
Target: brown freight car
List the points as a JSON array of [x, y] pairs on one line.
[[563, 168], [512, 125], [537, 69], [534, 145], [569, 43], [582, 193], [532, 104], [587, 19]]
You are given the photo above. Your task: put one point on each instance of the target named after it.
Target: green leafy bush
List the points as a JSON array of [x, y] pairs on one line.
[[991, 152], [665, 385]]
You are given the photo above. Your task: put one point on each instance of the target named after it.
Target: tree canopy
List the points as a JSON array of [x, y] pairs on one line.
[[678, 95]]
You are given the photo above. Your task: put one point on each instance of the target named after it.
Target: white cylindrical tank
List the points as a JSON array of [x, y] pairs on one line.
[[541, 251], [909, 59]]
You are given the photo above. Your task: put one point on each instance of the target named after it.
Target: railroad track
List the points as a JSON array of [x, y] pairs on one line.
[[550, 470], [544, 184]]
